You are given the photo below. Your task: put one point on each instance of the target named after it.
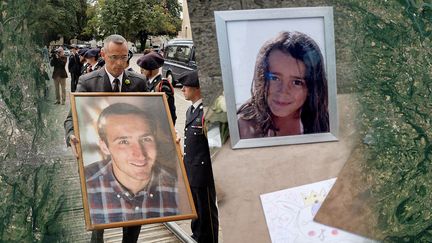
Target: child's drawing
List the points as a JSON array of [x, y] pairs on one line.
[[289, 214]]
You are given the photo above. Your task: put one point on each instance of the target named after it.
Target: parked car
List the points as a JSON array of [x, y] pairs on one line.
[[179, 57], [81, 46]]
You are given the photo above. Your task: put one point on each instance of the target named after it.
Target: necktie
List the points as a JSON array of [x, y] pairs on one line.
[[116, 85], [190, 111]]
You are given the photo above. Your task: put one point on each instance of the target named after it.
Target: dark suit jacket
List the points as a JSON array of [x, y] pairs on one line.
[[98, 81], [196, 151], [59, 64], [154, 87], [75, 64]]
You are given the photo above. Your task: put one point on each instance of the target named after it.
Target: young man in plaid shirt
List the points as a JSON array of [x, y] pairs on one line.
[[130, 184]]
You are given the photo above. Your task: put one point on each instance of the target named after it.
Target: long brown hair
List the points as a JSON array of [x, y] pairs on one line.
[[314, 115]]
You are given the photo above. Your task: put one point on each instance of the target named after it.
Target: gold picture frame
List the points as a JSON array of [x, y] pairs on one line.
[[114, 166]]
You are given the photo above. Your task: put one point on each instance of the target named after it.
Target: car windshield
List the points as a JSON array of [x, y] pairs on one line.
[[178, 53]]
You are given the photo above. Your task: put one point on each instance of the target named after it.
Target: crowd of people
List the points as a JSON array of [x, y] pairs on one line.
[[130, 177]]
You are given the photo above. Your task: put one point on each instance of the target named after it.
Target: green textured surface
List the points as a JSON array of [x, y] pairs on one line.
[[383, 53], [391, 60], [35, 201], [393, 66]]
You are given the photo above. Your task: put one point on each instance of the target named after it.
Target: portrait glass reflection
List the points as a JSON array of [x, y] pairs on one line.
[[130, 166]]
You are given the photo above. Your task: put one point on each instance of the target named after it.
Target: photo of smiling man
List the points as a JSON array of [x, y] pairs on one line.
[[130, 183]]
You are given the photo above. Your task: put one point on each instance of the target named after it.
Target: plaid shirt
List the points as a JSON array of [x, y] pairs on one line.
[[111, 202]]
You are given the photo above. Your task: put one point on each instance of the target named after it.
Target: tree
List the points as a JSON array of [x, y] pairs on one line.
[[138, 19], [50, 19], [91, 29]]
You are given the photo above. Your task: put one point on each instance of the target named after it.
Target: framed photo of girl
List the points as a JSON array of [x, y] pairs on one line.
[[279, 75], [131, 168]]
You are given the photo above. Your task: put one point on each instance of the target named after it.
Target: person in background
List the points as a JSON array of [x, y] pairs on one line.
[[83, 61], [151, 64], [198, 165], [93, 59], [74, 67], [130, 55], [58, 61]]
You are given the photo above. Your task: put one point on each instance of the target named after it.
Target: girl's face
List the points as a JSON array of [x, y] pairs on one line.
[[287, 90]]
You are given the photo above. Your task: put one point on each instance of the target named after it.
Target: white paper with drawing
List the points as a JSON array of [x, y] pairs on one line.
[[289, 214]]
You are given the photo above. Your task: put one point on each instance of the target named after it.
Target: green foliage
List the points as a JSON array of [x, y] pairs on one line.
[[392, 60], [50, 19], [91, 29], [132, 19]]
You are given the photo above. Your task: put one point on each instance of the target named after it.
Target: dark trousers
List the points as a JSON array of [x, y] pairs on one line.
[[74, 81], [205, 228], [130, 235]]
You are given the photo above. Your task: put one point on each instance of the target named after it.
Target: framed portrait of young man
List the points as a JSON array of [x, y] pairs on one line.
[[130, 166], [279, 75]]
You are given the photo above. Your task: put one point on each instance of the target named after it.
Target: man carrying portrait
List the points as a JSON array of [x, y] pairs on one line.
[[112, 77]]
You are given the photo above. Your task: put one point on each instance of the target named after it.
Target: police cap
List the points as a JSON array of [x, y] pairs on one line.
[[191, 80], [151, 61], [94, 52], [82, 52]]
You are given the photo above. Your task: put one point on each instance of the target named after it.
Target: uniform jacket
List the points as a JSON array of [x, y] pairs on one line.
[[196, 151], [99, 65], [154, 87], [98, 81]]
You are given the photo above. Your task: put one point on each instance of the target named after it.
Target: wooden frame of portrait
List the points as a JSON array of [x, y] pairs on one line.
[[240, 35], [172, 180]]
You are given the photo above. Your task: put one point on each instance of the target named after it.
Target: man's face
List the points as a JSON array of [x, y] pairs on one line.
[[189, 92], [91, 60], [132, 147], [145, 72], [115, 56]]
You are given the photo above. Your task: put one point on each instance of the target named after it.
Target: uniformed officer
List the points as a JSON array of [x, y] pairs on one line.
[[151, 64], [94, 60], [81, 54], [198, 165], [74, 66]]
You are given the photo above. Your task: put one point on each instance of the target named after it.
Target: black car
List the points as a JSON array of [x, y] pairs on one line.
[[179, 57]]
